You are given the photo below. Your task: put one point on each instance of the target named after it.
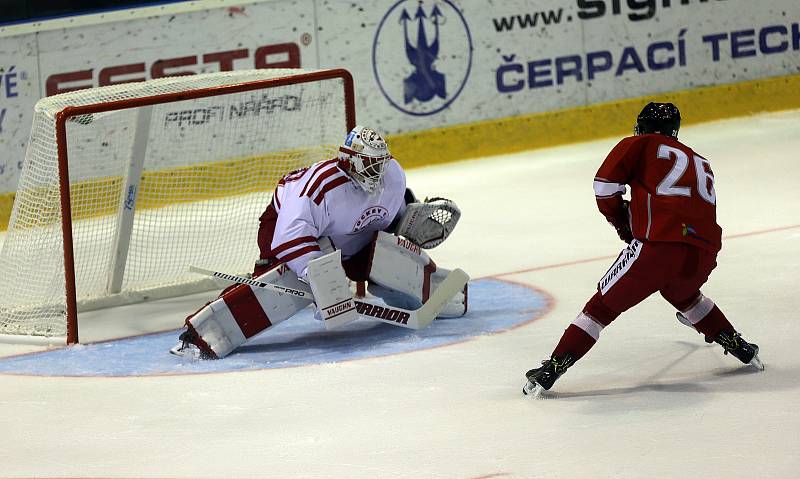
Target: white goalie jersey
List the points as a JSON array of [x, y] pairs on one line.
[[322, 201], [348, 203]]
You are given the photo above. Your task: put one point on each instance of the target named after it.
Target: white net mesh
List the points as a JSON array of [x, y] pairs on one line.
[[209, 169]]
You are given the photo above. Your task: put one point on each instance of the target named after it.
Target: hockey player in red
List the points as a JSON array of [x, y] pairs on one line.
[[673, 239]]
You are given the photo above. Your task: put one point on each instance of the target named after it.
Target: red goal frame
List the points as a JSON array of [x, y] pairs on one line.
[[72, 111]]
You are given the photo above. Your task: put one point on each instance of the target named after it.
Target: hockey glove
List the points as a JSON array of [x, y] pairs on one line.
[[621, 223], [429, 223]]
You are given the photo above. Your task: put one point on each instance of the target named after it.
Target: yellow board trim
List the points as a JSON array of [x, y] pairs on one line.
[[542, 130], [6, 203], [157, 189], [526, 132]]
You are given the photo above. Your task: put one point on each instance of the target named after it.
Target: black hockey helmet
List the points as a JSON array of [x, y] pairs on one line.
[[661, 118]]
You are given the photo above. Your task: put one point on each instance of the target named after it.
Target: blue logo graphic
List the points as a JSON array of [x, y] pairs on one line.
[[437, 49], [130, 200]]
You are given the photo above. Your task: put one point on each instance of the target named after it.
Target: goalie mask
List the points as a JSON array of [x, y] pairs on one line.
[[363, 156]]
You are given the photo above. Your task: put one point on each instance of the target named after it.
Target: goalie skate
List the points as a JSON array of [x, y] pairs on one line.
[[187, 349]]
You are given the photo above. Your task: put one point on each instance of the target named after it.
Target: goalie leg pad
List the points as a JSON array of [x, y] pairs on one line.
[[244, 311], [404, 276], [458, 305], [331, 290]]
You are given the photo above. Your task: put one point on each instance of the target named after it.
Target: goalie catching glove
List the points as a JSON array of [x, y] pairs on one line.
[[429, 223]]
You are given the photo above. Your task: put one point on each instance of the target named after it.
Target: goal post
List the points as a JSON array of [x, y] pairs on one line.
[[124, 186]]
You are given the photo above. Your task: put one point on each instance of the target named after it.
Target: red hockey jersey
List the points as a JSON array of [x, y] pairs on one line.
[[672, 191]]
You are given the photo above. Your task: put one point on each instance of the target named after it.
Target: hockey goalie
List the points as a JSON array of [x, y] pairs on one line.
[[350, 217]]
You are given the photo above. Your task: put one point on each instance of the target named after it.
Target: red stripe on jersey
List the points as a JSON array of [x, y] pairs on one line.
[[331, 185], [322, 177], [246, 310], [275, 197], [299, 253], [315, 171], [292, 243]]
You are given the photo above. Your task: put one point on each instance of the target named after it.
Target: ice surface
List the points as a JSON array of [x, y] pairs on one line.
[[651, 400], [498, 306]]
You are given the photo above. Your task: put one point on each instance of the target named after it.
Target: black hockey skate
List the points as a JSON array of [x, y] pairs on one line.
[[542, 378], [734, 344]]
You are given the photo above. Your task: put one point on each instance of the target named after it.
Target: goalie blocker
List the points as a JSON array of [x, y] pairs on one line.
[[404, 276], [399, 272]]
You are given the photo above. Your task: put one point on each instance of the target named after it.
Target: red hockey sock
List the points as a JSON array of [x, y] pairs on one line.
[[574, 341], [713, 323]]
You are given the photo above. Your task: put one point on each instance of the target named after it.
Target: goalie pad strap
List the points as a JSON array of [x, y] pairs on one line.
[[430, 268]]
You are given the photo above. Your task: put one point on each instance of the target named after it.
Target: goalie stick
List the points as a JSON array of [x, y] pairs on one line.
[[300, 293], [406, 318]]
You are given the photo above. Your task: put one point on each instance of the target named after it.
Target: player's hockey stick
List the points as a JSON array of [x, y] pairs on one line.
[[406, 318]]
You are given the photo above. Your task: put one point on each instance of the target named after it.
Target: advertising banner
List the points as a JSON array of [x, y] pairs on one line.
[[262, 35], [427, 64], [418, 64], [19, 92]]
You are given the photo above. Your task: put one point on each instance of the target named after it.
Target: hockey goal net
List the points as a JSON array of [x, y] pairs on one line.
[[123, 187]]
